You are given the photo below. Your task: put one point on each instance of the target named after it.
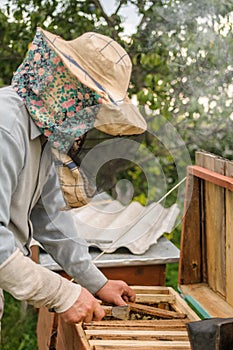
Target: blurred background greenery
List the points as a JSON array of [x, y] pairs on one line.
[[182, 54], [18, 326]]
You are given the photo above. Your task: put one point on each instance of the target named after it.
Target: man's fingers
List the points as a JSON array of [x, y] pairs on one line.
[[95, 313], [125, 298], [131, 297], [119, 300], [129, 294], [99, 313], [88, 318], [92, 315], [85, 309]]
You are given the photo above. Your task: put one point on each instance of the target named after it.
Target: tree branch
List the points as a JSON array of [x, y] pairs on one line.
[[122, 2], [108, 19]]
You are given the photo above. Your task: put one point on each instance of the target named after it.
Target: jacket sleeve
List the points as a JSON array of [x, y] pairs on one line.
[[11, 163], [19, 276], [55, 231]]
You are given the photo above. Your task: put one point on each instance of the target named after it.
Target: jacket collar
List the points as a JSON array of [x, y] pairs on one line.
[[34, 130]]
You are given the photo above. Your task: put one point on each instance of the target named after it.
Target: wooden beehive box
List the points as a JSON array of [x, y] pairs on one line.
[[205, 276], [206, 253], [167, 330]]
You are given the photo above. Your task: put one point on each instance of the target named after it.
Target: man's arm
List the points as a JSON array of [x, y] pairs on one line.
[[57, 233], [55, 230], [19, 276]]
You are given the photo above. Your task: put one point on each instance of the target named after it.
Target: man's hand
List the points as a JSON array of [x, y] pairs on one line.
[[86, 308], [116, 292]]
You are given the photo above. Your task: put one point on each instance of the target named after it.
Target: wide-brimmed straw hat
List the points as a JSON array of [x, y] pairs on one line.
[[102, 65]]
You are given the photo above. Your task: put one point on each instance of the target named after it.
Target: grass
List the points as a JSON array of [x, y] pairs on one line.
[[172, 275], [18, 326], [172, 269]]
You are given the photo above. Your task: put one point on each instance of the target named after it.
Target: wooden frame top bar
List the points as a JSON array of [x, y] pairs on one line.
[[211, 176]]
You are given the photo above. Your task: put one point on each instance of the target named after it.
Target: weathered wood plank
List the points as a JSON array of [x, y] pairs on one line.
[[150, 289], [118, 344], [181, 306], [212, 176], [155, 298], [71, 337], [148, 347], [47, 323], [220, 224], [190, 250], [215, 305], [138, 325], [211, 222], [199, 158], [136, 335], [155, 311], [229, 239]]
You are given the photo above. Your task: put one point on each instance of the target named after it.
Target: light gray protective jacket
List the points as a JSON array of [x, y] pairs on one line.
[[30, 199]]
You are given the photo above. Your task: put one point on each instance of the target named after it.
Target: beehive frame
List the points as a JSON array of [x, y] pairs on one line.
[[164, 333]]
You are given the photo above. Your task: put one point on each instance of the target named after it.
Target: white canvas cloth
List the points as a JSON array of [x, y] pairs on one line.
[[109, 225]]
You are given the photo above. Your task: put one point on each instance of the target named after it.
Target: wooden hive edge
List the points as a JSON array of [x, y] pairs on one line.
[[145, 345], [212, 303]]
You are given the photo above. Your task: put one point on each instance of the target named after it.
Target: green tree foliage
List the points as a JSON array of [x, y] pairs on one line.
[[183, 51], [182, 65], [20, 18]]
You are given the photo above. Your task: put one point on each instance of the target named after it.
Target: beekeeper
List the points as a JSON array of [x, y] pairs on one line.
[[61, 90]]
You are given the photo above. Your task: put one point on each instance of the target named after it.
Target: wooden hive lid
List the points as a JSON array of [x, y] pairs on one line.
[[206, 256]]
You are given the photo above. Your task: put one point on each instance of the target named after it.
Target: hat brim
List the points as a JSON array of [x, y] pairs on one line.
[[124, 119]]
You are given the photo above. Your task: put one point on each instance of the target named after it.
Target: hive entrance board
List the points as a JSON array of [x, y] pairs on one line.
[[163, 328]]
